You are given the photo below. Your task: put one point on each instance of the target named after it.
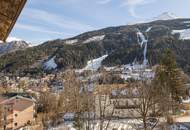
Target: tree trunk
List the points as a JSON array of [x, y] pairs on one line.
[[144, 123]]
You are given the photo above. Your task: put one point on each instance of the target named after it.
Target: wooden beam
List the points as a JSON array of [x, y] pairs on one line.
[[10, 17]]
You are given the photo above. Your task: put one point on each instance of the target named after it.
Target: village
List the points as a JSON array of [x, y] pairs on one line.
[[65, 76], [102, 99]]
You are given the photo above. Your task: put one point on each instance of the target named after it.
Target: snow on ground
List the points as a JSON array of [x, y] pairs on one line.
[[70, 42], [64, 126], [126, 77], [186, 101], [178, 127], [186, 22], [114, 124], [183, 119], [50, 64], [148, 29], [134, 71], [69, 116], [184, 34], [95, 64], [109, 68], [94, 38]]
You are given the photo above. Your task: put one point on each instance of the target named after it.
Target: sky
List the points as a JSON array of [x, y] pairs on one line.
[[43, 20]]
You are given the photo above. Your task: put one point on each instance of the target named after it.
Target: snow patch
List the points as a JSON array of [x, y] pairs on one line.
[[49, 65], [95, 64], [186, 101], [178, 127], [148, 29], [186, 22], [184, 34], [95, 38], [10, 39], [126, 124], [70, 42], [142, 40], [69, 116]]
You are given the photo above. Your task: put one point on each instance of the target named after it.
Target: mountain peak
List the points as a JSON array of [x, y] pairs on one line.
[[10, 39], [166, 16], [13, 45]]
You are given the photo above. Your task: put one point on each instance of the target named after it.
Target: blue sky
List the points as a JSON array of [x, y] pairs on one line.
[[43, 20]]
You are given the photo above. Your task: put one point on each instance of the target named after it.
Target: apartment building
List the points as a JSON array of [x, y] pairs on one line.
[[17, 111]]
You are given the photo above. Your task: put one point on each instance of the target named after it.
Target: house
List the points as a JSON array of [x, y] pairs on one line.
[[17, 111], [116, 101]]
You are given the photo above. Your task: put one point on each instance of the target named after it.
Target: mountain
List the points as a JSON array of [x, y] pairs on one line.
[[163, 16], [12, 46], [166, 16], [142, 43]]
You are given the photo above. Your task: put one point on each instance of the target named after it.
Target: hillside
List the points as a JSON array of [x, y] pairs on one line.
[[143, 43]]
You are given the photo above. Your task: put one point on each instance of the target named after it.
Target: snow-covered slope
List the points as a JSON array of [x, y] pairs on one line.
[[50, 64], [70, 42], [95, 64], [94, 38], [184, 34], [143, 41], [12, 46]]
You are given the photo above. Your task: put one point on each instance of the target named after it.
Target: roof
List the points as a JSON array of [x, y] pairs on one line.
[[13, 94], [8, 97], [9, 12], [108, 88]]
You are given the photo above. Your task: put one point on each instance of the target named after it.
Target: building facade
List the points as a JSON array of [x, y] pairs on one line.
[[17, 112]]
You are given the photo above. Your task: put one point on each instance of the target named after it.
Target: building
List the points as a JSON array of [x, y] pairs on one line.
[[116, 101], [17, 111]]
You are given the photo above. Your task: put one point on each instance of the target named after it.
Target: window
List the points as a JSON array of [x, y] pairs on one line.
[[126, 103], [16, 115], [15, 124]]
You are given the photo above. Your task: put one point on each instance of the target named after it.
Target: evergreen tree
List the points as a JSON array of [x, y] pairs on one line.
[[169, 81]]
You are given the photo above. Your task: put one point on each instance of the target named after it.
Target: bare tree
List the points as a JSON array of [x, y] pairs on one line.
[[4, 86], [22, 85], [48, 106], [89, 109], [105, 106], [146, 110], [74, 97], [1, 116]]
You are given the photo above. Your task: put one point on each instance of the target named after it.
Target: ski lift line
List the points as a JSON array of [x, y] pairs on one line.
[[13, 20]]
